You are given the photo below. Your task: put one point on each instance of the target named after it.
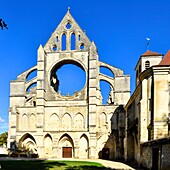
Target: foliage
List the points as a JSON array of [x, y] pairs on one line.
[[3, 138]]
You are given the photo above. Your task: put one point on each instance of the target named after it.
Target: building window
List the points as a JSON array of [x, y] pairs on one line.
[[73, 41], [63, 42], [147, 64]]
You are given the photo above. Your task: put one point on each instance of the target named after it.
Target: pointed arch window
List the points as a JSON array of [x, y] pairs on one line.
[[73, 41], [57, 39], [79, 37], [63, 42]]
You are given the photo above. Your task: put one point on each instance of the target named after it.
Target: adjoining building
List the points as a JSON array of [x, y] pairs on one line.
[[68, 126], [148, 113]]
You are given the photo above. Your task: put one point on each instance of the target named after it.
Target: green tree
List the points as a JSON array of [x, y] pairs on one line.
[[3, 138]]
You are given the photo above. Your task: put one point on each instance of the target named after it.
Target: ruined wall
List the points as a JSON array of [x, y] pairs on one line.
[[159, 159], [165, 157], [49, 122], [146, 157]]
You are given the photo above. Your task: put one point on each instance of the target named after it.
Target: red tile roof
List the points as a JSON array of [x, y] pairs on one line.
[[151, 53], [166, 59]]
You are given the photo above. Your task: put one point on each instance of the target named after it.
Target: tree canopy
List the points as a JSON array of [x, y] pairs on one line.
[[3, 138]]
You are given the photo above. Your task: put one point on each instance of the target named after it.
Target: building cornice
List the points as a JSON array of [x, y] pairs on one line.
[[134, 95]]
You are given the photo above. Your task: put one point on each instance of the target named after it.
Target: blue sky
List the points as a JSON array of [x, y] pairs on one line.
[[118, 27]]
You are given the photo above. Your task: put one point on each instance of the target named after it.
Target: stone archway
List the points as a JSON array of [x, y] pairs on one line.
[[66, 146], [27, 143]]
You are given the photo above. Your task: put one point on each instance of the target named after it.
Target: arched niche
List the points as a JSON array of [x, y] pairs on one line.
[[83, 147], [48, 144], [32, 123], [79, 122], [66, 122], [25, 122], [54, 122], [103, 119]]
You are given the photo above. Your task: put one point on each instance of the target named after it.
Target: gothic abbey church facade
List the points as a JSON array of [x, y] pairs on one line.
[[72, 126]]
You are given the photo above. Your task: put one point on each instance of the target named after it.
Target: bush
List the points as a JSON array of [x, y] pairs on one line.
[[3, 155], [34, 155]]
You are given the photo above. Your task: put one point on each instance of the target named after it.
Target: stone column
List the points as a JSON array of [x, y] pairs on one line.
[[40, 89], [54, 151], [76, 152], [93, 87]]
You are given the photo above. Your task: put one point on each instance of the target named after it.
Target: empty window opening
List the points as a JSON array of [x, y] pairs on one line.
[[64, 42], [106, 71], [105, 91], [73, 41], [54, 47], [57, 39], [147, 64], [82, 46], [34, 103], [71, 79], [79, 37], [32, 87], [31, 75], [68, 26], [54, 82]]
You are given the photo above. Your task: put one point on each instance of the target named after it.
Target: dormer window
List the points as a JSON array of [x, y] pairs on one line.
[[147, 64]]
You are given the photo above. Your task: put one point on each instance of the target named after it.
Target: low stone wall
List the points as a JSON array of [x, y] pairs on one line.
[[146, 156], [166, 156], [162, 154]]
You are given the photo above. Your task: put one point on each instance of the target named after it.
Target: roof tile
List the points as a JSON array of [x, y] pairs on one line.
[[166, 59], [151, 53]]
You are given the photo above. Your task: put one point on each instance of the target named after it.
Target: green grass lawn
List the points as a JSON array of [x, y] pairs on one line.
[[49, 165]]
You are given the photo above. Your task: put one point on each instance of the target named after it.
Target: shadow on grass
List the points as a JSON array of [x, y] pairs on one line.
[[86, 167], [49, 165], [30, 165]]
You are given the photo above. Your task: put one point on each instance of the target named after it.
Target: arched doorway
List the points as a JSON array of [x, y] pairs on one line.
[[27, 143], [67, 146], [130, 147]]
